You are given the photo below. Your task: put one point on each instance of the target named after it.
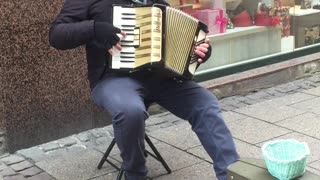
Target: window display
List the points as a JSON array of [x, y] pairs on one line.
[[243, 30]]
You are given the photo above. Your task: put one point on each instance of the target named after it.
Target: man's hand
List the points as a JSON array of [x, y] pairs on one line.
[[118, 45], [203, 51], [106, 36]]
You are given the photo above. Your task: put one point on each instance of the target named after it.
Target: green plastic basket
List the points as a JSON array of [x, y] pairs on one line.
[[285, 159]]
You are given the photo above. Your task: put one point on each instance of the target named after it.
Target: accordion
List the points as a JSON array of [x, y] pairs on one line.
[[157, 38]]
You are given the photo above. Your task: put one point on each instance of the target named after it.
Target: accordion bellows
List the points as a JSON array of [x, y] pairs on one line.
[[157, 37]]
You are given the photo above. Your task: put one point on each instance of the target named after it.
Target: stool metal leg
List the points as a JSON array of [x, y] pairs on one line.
[[120, 174], [158, 156], [106, 154]]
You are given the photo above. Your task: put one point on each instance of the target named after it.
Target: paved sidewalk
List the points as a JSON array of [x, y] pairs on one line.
[[290, 110]]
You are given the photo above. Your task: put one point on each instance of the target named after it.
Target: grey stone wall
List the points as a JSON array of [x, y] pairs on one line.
[[44, 92]]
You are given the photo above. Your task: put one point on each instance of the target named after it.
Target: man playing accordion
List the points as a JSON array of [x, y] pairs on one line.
[[126, 96]]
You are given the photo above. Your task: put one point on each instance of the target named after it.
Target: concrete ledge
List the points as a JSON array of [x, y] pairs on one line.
[[259, 78]]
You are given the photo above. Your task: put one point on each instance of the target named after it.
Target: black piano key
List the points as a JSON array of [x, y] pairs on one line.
[[126, 41], [127, 57], [128, 14], [124, 61], [123, 25], [127, 52], [127, 45], [131, 30], [128, 18]]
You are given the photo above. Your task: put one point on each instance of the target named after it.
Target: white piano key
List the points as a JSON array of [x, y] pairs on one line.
[[119, 57], [127, 56], [119, 65], [128, 44], [128, 49], [125, 60], [116, 14], [128, 10], [129, 38], [128, 16], [126, 23]]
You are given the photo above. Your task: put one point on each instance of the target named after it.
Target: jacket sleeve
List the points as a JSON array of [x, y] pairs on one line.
[[71, 28]]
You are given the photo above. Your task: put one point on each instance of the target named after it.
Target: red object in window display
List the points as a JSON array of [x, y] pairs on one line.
[[263, 19], [275, 21], [274, 17], [242, 20]]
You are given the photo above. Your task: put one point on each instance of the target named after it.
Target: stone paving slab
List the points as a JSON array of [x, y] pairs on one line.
[[34, 153], [21, 165], [15, 177], [12, 159], [30, 171], [269, 112], [41, 176], [289, 99], [244, 149], [180, 136], [313, 143], [3, 166], [8, 172], [253, 131], [313, 170], [75, 166], [315, 165], [110, 176], [230, 116], [311, 105], [313, 91], [203, 171], [307, 123], [200, 152]]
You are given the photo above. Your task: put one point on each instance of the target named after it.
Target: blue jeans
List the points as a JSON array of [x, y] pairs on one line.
[[126, 99]]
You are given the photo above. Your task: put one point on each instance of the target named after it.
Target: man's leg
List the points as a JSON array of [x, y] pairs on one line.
[[122, 97], [192, 102]]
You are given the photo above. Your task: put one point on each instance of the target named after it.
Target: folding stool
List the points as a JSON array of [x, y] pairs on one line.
[[156, 155]]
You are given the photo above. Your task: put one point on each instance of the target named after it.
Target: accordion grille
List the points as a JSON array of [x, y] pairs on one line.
[[180, 36]]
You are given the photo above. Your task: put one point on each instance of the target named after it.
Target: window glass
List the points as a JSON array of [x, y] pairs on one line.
[[243, 31]]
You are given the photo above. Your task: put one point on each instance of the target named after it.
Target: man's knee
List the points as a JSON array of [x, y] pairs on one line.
[[130, 115]]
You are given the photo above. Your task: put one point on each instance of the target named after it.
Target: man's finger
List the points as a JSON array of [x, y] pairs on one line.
[[117, 30], [123, 34], [204, 45], [202, 49], [207, 40], [110, 51], [200, 54], [200, 61], [118, 46]]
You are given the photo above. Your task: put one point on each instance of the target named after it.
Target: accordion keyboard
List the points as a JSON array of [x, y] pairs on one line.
[[142, 44]]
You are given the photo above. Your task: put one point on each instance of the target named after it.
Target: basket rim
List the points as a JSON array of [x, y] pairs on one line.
[[300, 157]]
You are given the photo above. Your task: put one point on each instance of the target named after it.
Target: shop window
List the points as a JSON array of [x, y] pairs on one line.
[[245, 30]]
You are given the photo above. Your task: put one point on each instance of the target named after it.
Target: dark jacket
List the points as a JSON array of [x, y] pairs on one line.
[[74, 26]]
